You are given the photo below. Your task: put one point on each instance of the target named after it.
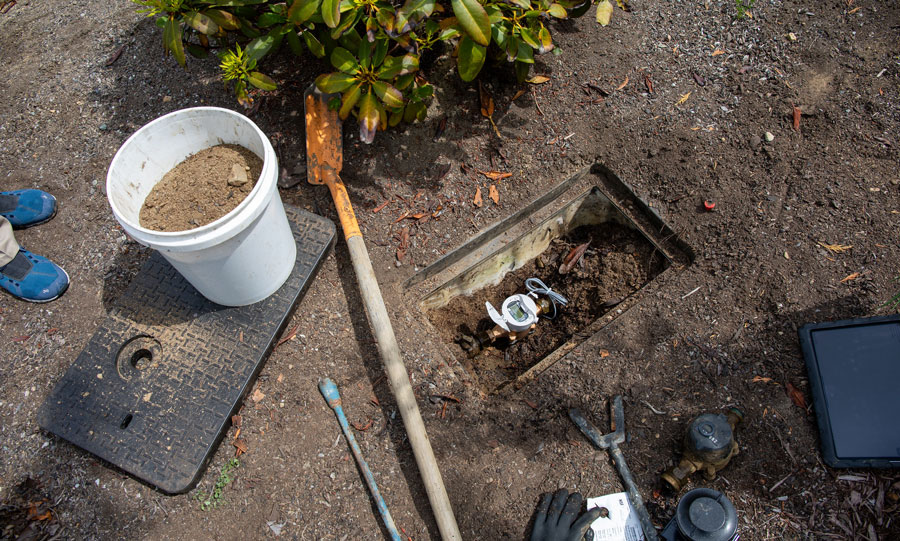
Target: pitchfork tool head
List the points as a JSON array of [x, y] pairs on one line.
[[599, 440]]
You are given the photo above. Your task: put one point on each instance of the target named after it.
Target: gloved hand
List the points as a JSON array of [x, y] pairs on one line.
[[556, 514]]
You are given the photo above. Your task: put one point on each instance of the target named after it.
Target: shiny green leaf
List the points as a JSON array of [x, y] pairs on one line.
[[172, 40], [395, 118], [261, 81], [314, 45], [557, 11], [269, 19], [201, 23], [404, 81], [260, 47], [349, 100], [525, 54], [546, 41], [365, 54], [470, 58], [301, 10], [331, 12], [413, 10], [381, 48], [369, 117], [388, 94], [293, 40], [331, 83], [474, 20], [348, 20], [343, 60], [529, 37]]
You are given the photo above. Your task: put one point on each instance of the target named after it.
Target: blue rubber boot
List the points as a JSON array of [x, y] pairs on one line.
[[33, 278], [25, 208]]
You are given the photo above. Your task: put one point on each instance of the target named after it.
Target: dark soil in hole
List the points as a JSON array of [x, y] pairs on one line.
[[201, 189], [618, 262]]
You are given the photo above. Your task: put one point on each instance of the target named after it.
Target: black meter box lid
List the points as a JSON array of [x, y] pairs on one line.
[[854, 375]]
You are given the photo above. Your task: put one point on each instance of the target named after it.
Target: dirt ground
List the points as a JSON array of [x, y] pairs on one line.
[[721, 333]]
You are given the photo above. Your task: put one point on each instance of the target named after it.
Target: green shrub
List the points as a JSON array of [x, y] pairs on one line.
[[374, 45]]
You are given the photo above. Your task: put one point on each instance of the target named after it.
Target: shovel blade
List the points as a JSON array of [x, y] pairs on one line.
[[324, 151]]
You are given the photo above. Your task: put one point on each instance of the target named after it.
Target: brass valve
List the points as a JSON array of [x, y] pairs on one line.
[[473, 344], [709, 446]]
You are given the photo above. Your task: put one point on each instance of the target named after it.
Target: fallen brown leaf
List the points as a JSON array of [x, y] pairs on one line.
[[236, 421], [531, 404], [280, 378], [573, 257], [487, 102], [52, 330], [362, 427], [850, 277], [624, 84], [257, 395], [835, 248], [604, 353], [240, 446], [761, 379], [518, 95], [648, 83], [496, 175], [402, 216], [477, 201], [115, 56], [796, 396], [416, 216], [21, 338], [717, 52], [439, 131], [380, 207], [683, 99], [374, 401], [538, 79], [289, 336], [494, 194], [797, 114]]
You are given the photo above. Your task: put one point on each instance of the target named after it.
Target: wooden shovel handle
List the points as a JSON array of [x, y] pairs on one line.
[[403, 393], [344, 208]]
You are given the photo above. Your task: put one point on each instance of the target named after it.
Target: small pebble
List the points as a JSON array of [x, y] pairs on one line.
[[755, 141], [769, 136]]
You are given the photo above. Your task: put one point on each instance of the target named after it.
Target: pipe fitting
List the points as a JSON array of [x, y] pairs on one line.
[[709, 446]]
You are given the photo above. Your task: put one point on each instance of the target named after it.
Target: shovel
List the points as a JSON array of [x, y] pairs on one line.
[[324, 159]]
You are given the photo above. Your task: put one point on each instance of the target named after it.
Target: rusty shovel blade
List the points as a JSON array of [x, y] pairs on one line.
[[324, 151]]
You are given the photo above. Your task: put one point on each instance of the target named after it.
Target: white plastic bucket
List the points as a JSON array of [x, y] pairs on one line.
[[241, 258]]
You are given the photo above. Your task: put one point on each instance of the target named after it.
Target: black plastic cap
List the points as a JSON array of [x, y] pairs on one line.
[[704, 514], [710, 432]]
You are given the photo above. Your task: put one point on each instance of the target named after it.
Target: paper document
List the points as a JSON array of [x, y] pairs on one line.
[[621, 524]]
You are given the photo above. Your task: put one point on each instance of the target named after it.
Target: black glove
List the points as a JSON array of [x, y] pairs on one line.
[[555, 520]]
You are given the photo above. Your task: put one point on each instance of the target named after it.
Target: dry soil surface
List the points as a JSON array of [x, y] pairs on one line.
[[696, 105]]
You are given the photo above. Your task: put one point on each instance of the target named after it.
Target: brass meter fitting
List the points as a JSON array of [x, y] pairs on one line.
[[709, 446]]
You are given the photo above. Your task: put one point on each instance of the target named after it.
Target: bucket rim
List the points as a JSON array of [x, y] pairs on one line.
[[175, 236]]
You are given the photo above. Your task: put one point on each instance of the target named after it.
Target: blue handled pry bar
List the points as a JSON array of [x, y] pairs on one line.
[[330, 391]]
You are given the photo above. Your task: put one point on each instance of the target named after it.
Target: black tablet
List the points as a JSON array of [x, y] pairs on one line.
[[854, 374]]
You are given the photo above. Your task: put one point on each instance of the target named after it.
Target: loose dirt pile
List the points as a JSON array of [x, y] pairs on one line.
[[201, 189]]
